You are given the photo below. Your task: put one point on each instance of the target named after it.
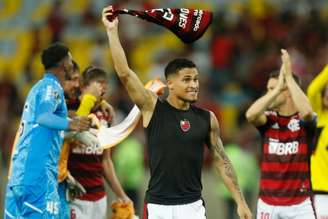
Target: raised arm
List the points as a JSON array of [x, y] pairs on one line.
[[255, 113], [226, 170], [299, 98], [142, 97]]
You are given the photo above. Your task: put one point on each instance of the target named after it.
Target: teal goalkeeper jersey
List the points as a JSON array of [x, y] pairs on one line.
[[40, 136]]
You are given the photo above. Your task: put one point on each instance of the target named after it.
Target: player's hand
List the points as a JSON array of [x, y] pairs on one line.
[[109, 18], [156, 86], [107, 110], [286, 63], [94, 88], [123, 199], [281, 85], [79, 124], [75, 189], [243, 211], [71, 113]]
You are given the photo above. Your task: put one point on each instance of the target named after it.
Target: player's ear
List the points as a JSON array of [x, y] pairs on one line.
[[169, 83]]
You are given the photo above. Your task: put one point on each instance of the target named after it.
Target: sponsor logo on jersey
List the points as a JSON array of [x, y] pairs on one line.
[[283, 148], [87, 150]]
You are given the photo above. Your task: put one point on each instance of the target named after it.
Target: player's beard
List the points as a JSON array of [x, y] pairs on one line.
[[76, 93]]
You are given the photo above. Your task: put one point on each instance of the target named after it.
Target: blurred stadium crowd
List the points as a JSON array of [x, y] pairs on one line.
[[234, 57]]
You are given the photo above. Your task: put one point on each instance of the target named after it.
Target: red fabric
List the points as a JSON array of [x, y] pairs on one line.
[[285, 200], [87, 169], [222, 51], [85, 165], [95, 196], [277, 184], [285, 176], [187, 24], [275, 166]]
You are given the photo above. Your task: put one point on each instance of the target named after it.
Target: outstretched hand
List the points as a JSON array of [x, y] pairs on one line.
[[79, 124], [109, 18]]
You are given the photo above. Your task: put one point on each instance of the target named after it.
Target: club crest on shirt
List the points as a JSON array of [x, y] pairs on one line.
[[294, 125], [184, 125]]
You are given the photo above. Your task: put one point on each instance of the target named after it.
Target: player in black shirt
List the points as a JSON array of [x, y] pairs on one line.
[[176, 133]]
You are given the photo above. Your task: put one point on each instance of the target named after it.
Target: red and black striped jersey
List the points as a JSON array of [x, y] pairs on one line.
[[85, 165], [285, 171]]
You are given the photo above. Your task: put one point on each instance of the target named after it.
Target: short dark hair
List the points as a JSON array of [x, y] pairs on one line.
[[52, 55], [176, 65], [275, 74], [92, 73]]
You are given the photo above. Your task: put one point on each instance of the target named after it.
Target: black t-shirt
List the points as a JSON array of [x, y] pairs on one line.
[[176, 141]]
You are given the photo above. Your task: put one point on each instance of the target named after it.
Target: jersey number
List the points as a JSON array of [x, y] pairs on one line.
[[265, 215]]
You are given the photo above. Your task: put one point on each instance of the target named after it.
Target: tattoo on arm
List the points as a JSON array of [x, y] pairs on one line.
[[224, 161]]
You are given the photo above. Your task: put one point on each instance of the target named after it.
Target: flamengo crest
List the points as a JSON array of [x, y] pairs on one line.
[[184, 125]]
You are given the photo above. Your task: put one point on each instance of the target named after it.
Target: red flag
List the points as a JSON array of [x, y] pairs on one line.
[[187, 24]]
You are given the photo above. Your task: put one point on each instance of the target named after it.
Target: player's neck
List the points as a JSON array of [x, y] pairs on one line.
[[287, 109], [58, 74], [178, 103]]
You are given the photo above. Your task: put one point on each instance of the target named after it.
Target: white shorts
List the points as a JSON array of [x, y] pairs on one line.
[[81, 209], [304, 210], [195, 210], [321, 206]]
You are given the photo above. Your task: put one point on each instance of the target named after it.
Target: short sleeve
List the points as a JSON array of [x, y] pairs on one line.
[[271, 119]]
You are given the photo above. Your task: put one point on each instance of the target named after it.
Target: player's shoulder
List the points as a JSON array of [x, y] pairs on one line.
[[203, 112], [48, 85], [200, 110], [51, 82], [45, 89]]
